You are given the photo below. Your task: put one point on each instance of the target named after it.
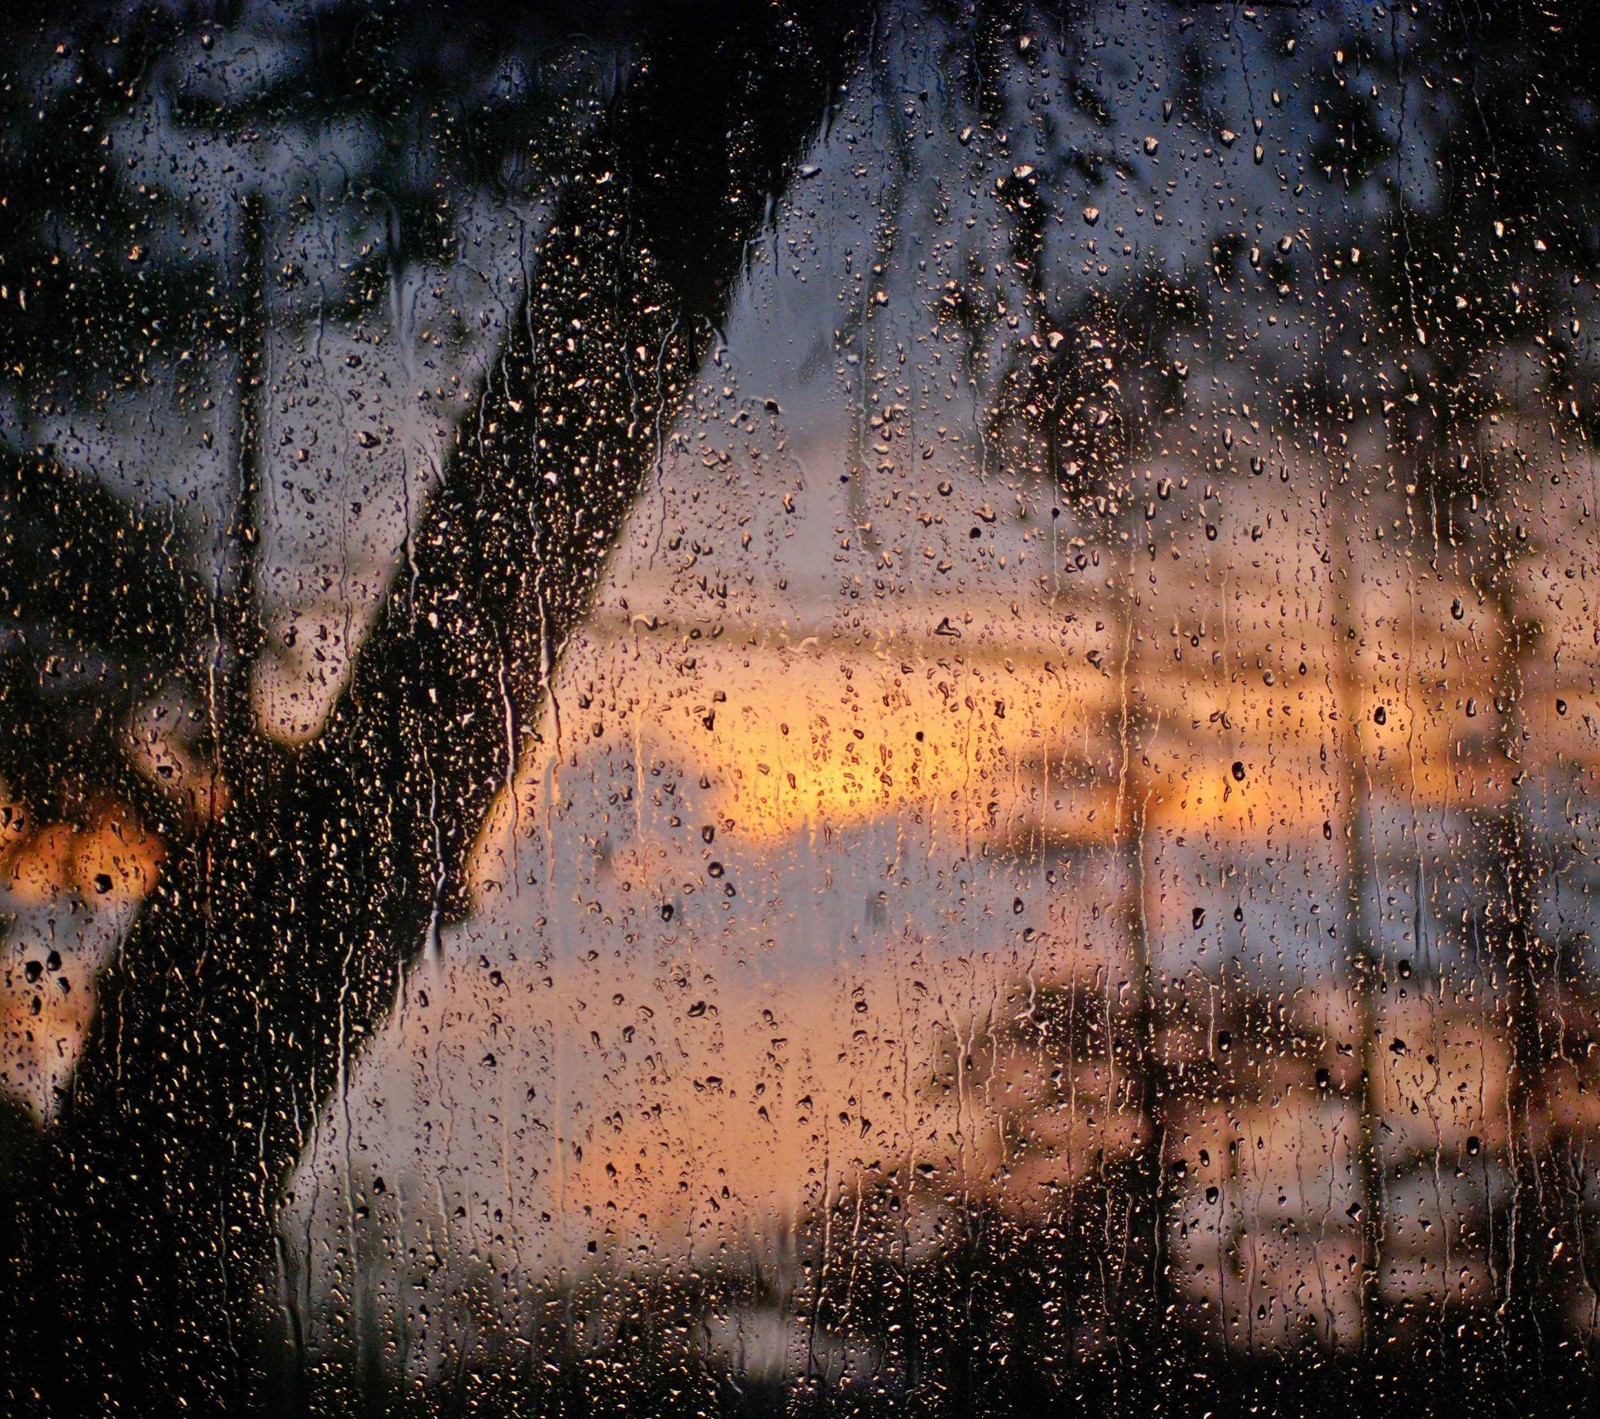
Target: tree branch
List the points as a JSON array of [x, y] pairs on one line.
[[271, 952]]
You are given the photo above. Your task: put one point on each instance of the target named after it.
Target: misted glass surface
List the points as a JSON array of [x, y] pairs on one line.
[[796, 709]]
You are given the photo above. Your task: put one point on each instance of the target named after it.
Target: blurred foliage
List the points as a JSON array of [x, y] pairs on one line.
[[101, 610]]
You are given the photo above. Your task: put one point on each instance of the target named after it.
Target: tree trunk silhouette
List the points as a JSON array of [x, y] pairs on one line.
[[1531, 1220], [272, 951], [1360, 949]]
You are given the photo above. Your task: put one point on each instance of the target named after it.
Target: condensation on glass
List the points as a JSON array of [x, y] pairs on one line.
[[728, 709]]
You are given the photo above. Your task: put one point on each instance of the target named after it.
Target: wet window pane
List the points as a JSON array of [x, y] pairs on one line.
[[727, 709]]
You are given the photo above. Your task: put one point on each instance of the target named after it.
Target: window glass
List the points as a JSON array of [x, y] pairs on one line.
[[726, 709]]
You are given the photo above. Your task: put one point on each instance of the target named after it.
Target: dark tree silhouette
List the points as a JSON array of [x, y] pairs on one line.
[[274, 946]]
